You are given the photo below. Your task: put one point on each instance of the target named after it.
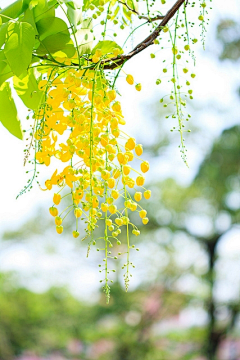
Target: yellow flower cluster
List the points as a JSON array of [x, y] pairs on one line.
[[80, 125]]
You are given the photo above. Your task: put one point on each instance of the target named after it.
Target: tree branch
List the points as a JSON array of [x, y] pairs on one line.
[[160, 17], [116, 61]]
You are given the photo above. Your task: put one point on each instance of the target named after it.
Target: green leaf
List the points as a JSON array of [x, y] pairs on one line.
[[12, 11], [112, 3], [107, 47], [27, 89], [116, 11], [127, 13], [29, 18], [43, 10], [19, 46], [74, 11], [25, 5], [5, 70], [85, 37], [3, 30], [75, 16], [50, 26], [54, 36], [68, 49], [96, 3], [8, 112], [133, 4], [33, 3], [55, 43], [74, 4]]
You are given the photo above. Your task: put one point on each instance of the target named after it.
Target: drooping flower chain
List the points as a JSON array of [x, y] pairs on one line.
[[98, 157]]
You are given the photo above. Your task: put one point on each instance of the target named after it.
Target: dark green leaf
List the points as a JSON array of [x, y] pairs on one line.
[[68, 49], [55, 43], [19, 46], [8, 112], [50, 26]]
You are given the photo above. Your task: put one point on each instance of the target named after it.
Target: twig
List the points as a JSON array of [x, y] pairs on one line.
[[159, 17], [118, 60]]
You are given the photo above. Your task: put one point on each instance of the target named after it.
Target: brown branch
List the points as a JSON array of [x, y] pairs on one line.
[[160, 17], [119, 60], [133, 10]]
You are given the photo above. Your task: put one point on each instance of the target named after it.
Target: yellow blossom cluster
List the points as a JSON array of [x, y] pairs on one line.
[[80, 124]]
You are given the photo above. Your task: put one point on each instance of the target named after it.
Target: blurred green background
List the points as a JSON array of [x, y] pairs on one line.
[[183, 302]]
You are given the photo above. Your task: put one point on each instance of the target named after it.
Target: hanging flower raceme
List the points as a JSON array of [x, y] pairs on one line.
[[80, 125]]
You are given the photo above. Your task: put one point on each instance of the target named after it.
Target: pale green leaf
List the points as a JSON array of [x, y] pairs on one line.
[[96, 3], [8, 112], [107, 47], [74, 11], [74, 4], [116, 11], [85, 37], [19, 46], [127, 13], [133, 4], [27, 89], [112, 3]]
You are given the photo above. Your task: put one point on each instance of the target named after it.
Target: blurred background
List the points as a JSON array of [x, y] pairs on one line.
[[183, 300]]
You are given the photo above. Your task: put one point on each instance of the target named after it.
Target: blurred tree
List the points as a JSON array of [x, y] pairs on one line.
[[131, 327], [228, 32], [213, 201]]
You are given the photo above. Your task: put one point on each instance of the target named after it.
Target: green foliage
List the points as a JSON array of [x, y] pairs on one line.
[[54, 36], [13, 10], [3, 31], [5, 70], [27, 89], [8, 112], [74, 11], [19, 46], [84, 37], [107, 47], [44, 9], [51, 321], [230, 44]]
